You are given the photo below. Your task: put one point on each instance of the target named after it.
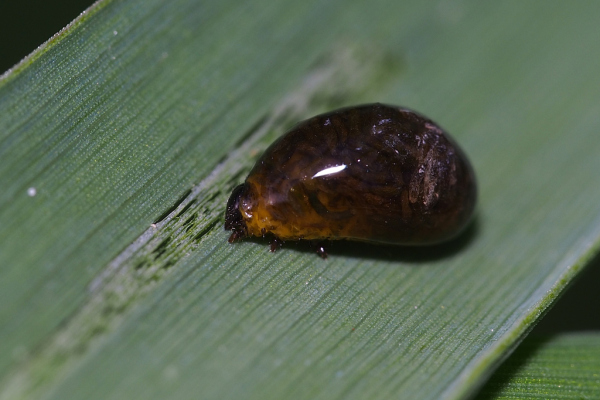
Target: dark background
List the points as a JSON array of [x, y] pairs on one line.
[[579, 308], [26, 24]]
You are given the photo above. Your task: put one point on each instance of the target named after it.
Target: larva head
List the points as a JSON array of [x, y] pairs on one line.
[[233, 217]]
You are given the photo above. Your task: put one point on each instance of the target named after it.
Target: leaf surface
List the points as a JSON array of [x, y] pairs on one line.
[[122, 137]]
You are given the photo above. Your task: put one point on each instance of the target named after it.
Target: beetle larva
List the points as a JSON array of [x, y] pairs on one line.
[[374, 173]]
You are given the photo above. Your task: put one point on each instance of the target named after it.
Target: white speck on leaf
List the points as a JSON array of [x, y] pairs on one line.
[[171, 372]]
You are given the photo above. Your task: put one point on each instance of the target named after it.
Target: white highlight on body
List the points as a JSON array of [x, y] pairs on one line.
[[31, 191], [330, 170]]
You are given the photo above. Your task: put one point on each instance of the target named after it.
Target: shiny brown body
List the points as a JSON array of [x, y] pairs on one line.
[[374, 173]]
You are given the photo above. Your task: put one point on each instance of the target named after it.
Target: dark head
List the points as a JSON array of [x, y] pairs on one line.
[[233, 217]]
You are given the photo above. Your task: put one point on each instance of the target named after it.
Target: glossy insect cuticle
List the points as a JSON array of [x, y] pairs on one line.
[[373, 173]]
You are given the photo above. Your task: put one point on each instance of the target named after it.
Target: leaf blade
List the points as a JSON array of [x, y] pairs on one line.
[[530, 240]]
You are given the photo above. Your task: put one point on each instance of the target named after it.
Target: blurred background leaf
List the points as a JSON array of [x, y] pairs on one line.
[[151, 112], [564, 366]]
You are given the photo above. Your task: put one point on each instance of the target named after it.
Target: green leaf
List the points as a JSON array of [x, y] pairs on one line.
[[558, 367], [122, 137]]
